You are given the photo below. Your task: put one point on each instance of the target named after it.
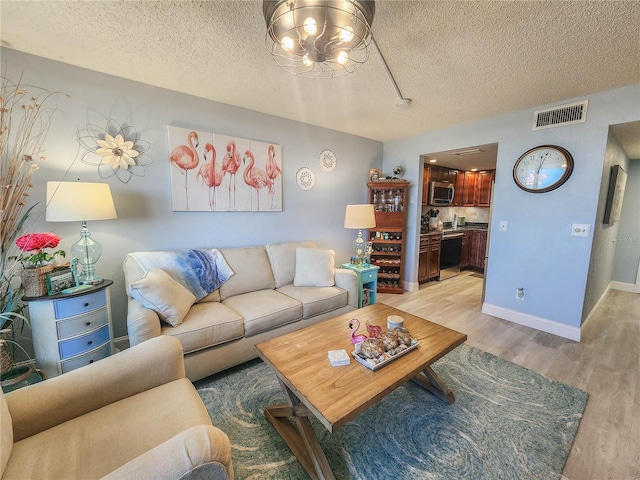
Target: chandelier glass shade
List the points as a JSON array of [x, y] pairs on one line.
[[319, 38]]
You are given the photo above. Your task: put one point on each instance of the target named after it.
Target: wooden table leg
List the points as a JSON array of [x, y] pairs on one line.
[[301, 440], [428, 380]]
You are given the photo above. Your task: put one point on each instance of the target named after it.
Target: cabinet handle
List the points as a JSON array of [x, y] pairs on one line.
[[87, 324], [89, 342], [90, 361], [86, 304]]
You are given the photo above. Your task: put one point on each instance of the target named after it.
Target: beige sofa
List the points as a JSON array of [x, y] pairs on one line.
[[131, 415], [275, 289]]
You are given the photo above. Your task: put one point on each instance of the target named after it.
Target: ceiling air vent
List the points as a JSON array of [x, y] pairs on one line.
[[562, 115]]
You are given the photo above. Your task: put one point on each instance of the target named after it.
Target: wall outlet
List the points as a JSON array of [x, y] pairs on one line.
[[580, 230], [520, 295]]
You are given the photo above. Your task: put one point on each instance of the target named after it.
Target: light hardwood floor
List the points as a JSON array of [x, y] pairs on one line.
[[606, 364]]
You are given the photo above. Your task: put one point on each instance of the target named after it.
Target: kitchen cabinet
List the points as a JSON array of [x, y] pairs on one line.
[[484, 181], [388, 236], [477, 188], [465, 255], [469, 191], [429, 257], [434, 256], [457, 178], [478, 249], [472, 189], [73, 330]]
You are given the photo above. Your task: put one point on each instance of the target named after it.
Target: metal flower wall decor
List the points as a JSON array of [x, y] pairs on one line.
[[115, 150]]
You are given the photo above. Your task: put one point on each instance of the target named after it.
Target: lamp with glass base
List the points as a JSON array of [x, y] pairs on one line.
[[81, 201], [360, 217]]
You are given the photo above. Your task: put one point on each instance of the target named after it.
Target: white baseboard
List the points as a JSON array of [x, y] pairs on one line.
[[595, 307], [555, 328], [625, 287], [410, 286]]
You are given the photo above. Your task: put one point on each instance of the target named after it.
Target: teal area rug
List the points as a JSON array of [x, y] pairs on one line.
[[508, 422]]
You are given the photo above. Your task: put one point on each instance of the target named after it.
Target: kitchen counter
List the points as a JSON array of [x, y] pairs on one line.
[[447, 228]]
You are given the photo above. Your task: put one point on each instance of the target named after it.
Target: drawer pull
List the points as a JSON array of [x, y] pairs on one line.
[[87, 323], [89, 342], [91, 361], [86, 304]]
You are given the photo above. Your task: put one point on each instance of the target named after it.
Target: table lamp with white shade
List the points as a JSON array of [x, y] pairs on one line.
[[81, 202], [360, 217]]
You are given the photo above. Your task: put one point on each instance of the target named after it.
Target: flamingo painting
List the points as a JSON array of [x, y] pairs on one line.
[[272, 168], [205, 167], [211, 174], [256, 178], [230, 165], [354, 325], [185, 157]]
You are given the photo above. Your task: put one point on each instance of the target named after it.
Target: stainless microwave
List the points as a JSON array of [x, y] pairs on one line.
[[441, 193]]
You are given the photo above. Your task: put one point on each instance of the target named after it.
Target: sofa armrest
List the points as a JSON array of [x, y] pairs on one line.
[[203, 451], [38, 407], [348, 280], [142, 323]]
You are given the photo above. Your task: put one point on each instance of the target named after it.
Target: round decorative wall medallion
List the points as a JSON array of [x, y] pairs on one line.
[[328, 160], [305, 178]]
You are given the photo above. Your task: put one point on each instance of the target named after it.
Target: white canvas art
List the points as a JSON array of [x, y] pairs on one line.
[[218, 173]]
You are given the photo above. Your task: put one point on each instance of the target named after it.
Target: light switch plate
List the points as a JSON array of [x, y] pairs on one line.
[[580, 229], [503, 225]]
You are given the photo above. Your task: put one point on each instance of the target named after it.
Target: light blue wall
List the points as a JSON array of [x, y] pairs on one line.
[[537, 252], [145, 220], [604, 246], [627, 256]]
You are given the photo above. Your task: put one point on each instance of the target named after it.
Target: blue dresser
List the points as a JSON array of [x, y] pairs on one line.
[[70, 331]]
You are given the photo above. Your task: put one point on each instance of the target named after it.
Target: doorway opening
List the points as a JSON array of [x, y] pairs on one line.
[[468, 173]]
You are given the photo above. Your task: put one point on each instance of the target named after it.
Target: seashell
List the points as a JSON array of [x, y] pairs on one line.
[[389, 340], [372, 348], [403, 336]]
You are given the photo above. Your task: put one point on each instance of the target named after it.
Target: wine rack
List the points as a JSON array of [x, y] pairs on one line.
[[388, 237]]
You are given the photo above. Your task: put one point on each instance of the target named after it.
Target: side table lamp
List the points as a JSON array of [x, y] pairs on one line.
[[80, 202], [360, 217]]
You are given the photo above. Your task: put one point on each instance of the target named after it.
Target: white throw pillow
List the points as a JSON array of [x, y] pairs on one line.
[[159, 292], [314, 268]]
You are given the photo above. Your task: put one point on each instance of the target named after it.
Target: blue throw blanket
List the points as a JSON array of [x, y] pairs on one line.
[[199, 271]]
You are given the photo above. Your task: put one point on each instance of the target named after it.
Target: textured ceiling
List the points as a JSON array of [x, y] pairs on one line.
[[458, 61]]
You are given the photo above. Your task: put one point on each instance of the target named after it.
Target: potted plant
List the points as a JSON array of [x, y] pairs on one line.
[[24, 123]]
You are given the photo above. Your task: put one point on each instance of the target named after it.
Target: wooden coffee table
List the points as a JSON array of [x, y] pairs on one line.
[[335, 395]]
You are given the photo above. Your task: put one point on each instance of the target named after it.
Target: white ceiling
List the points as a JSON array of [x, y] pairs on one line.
[[458, 61]]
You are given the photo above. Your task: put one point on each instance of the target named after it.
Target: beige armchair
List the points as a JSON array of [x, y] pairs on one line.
[[132, 415]]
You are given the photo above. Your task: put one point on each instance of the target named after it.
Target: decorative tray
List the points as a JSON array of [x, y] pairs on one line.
[[371, 366]]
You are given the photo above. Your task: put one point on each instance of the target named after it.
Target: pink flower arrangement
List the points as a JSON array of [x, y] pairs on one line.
[[37, 242]]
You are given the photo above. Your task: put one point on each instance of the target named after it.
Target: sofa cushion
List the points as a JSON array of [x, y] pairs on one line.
[[89, 447], [157, 291], [314, 268], [206, 325], [264, 310], [282, 257], [252, 271], [317, 300]]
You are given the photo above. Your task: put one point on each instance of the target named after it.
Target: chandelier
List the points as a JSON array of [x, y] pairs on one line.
[[319, 38]]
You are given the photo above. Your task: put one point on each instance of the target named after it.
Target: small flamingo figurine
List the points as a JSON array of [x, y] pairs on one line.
[[356, 338], [374, 330]]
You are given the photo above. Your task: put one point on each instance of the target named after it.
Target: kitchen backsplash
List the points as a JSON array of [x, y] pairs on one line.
[[471, 214]]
